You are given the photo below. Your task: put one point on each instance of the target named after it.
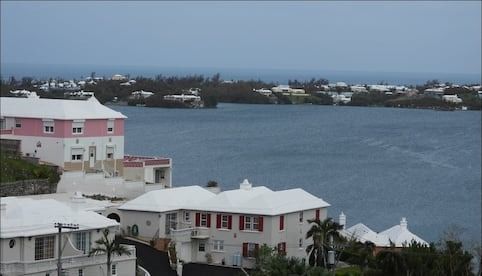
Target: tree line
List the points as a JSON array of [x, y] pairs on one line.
[[447, 257]]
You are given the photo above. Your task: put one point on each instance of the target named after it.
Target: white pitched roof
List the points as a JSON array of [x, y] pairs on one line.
[[398, 234], [29, 217], [401, 236], [247, 200], [56, 108], [362, 233], [169, 199]]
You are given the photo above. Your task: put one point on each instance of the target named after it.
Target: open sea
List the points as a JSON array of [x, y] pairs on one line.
[[376, 165]]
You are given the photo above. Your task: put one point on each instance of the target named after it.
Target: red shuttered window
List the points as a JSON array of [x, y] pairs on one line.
[[241, 222], [250, 249], [281, 222], [317, 214], [282, 247], [198, 219]]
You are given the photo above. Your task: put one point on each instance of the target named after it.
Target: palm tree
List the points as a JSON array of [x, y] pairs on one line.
[[108, 247], [321, 232]]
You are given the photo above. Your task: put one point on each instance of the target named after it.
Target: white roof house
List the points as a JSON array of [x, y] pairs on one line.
[[246, 200], [24, 217], [30, 240], [75, 135], [224, 224], [399, 235], [168, 199], [56, 108]]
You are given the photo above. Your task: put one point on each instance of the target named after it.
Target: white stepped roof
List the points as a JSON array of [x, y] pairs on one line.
[[401, 236], [246, 200], [26, 217], [169, 199], [363, 234], [398, 234], [56, 109]]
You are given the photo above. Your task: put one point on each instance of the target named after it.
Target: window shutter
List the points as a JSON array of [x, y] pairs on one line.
[[218, 221], [208, 219], [245, 249], [281, 222], [256, 248], [230, 222], [198, 219], [260, 224], [241, 222], [317, 214]]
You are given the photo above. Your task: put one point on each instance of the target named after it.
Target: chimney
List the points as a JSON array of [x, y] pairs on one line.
[[342, 220], [404, 223], [245, 185]]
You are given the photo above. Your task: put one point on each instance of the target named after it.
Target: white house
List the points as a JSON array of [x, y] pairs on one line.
[[398, 236], [227, 227], [29, 240], [72, 134], [141, 94], [451, 98]]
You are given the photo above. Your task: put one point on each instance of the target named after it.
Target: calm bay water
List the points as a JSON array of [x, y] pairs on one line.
[[376, 165]]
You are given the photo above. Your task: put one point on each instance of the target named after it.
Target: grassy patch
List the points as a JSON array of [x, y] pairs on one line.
[[15, 169]]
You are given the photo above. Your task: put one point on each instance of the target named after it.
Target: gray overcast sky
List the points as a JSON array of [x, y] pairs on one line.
[[388, 36]]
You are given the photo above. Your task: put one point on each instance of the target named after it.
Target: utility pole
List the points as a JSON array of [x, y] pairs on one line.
[[60, 226]]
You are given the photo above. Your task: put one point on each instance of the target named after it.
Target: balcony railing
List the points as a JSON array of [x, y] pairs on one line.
[[186, 234], [29, 267]]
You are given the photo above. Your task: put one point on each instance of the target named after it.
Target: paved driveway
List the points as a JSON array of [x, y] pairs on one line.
[[154, 261]]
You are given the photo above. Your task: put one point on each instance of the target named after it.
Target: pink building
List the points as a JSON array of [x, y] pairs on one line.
[[76, 135]]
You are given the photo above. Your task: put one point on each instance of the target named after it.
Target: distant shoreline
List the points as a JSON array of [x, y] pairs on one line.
[[280, 76]]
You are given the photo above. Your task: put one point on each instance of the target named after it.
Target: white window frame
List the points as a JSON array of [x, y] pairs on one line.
[[82, 241], [78, 127], [3, 123], [110, 126], [224, 221], [203, 220], [251, 223], [18, 123], [109, 152], [201, 247], [44, 248], [48, 126], [218, 245], [113, 269], [80, 272], [77, 154], [187, 216]]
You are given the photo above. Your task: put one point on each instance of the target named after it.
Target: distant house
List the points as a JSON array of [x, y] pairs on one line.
[[451, 99], [30, 240], [397, 236], [182, 98], [80, 135], [264, 91], [229, 226], [288, 91], [118, 77], [141, 94], [434, 91]]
